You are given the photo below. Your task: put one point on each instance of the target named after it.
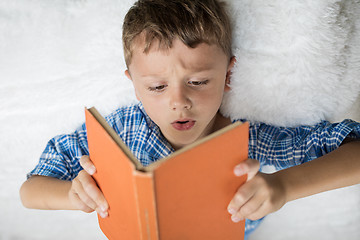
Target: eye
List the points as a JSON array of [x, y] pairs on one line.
[[157, 88], [198, 83]]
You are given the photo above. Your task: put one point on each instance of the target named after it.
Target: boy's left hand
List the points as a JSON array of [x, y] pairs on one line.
[[260, 195]]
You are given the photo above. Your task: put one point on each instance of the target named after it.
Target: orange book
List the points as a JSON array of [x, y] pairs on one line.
[[183, 196]]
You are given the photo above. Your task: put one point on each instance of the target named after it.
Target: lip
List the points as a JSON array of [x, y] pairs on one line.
[[183, 124]]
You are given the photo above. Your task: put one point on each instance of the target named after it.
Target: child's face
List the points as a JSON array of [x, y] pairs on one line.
[[181, 88]]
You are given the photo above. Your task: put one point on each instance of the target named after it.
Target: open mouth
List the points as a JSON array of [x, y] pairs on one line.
[[183, 125], [183, 122]]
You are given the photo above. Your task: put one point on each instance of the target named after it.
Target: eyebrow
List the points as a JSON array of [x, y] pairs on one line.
[[152, 76], [160, 76], [199, 67]]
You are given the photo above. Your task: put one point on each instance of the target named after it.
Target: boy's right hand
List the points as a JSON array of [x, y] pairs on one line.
[[84, 193]]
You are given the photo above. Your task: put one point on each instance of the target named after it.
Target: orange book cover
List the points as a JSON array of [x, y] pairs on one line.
[[183, 196]]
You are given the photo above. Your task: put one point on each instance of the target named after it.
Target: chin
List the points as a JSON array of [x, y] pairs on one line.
[[182, 142]]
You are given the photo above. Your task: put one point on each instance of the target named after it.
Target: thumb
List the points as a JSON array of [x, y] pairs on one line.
[[249, 167], [87, 164]]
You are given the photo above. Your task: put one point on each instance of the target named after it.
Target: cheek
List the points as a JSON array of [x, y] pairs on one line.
[[209, 104], [154, 107], [212, 98]]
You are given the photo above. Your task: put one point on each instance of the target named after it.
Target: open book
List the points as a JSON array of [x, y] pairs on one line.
[[183, 196]]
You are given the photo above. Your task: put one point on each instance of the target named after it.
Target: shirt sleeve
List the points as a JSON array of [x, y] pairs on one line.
[[285, 147], [60, 159]]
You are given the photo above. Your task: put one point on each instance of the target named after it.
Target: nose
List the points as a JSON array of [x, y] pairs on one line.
[[180, 98]]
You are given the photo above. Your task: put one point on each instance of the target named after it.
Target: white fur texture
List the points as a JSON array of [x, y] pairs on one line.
[[298, 62], [58, 56]]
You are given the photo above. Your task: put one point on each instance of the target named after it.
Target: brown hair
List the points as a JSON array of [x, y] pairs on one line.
[[191, 21]]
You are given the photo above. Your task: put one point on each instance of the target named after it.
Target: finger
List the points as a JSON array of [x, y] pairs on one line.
[[84, 185], [259, 213], [93, 191], [244, 194], [80, 204], [251, 209], [264, 209], [249, 167], [87, 164], [82, 195]]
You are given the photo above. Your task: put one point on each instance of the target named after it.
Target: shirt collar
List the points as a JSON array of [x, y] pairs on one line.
[[148, 120], [157, 146]]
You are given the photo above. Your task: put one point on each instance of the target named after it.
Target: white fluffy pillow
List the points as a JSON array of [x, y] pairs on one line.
[[298, 62]]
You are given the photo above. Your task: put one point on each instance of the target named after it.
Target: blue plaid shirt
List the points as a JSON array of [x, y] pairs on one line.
[[276, 146]]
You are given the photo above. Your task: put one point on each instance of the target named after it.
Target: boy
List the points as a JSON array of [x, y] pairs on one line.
[[178, 54]]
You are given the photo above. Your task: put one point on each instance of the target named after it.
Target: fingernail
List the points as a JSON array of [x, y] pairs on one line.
[[237, 171], [235, 219], [103, 208], [92, 170], [231, 210], [103, 214]]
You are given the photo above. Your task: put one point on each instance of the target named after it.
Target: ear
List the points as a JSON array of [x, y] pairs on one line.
[[127, 73], [228, 74]]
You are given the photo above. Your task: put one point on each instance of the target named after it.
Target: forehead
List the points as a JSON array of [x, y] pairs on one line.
[[202, 57]]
